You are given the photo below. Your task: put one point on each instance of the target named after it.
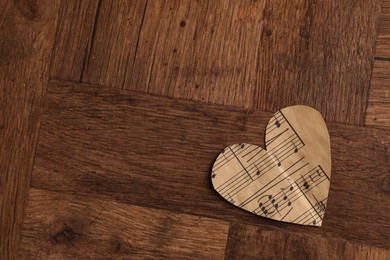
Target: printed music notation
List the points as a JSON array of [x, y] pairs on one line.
[[281, 183]]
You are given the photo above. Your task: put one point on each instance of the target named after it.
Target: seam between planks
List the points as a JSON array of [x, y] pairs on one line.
[[58, 80]]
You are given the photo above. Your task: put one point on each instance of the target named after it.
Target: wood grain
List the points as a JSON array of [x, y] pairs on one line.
[[111, 162], [74, 36], [249, 242], [258, 243], [317, 55], [60, 226], [157, 152], [115, 41], [253, 54], [26, 37], [362, 252], [378, 109]]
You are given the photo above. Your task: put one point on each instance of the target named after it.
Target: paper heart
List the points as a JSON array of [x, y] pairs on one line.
[[289, 181]]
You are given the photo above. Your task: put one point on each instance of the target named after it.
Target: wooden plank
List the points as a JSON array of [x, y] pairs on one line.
[[5, 7], [123, 145], [251, 54], [204, 50], [299, 246], [382, 48], [258, 243], [378, 108], [73, 226], [26, 38], [115, 41], [316, 51], [362, 252], [73, 39], [249, 242]]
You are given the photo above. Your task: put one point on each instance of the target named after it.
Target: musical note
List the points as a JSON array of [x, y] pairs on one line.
[[258, 172], [263, 208], [274, 203], [277, 123], [313, 218], [285, 197], [277, 159], [320, 205], [305, 184], [291, 183], [296, 148]]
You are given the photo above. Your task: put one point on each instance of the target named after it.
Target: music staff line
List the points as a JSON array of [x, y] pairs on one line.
[[227, 158], [260, 192], [304, 218], [277, 124], [278, 119], [240, 179], [227, 155], [271, 150], [288, 144], [290, 189], [267, 162], [288, 200], [292, 128], [243, 167]]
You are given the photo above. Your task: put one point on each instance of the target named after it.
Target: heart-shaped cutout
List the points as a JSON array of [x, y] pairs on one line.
[[289, 181]]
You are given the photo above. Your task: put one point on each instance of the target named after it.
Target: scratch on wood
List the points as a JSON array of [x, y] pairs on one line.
[[89, 50]]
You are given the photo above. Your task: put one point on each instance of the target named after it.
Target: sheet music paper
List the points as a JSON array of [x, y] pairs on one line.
[[287, 182]]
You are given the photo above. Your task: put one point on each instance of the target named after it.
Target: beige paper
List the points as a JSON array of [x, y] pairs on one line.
[[287, 182]]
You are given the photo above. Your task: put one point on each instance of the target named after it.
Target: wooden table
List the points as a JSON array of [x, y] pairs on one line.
[[113, 112]]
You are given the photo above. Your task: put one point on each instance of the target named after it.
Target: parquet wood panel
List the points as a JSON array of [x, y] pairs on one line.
[[116, 34], [264, 243], [143, 150], [27, 32], [67, 226], [73, 38], [252, 54], [378, 108], [118, 171]]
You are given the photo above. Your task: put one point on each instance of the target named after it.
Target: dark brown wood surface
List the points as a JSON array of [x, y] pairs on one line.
[[256, 54], [83, 226], [73, 38], [143, 95], [266, 243], [378, 109], [142, 150], [27, 33]]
